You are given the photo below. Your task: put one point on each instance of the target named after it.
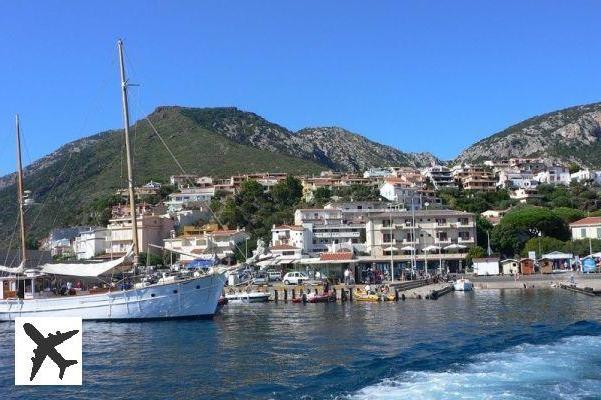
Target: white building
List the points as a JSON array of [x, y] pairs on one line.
[[440, 176], [586, 175], [189, 196], [152, 229], [586, 228], [554, 176], [486, 266], [399, 192], [378, 173], [222, 243], [91, 243], [326, 229], [517, 179], [525, 196]]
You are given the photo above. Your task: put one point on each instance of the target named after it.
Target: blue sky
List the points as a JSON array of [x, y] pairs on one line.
[[418, 75]]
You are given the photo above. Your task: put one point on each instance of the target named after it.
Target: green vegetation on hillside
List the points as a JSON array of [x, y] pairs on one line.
[[66, 189]]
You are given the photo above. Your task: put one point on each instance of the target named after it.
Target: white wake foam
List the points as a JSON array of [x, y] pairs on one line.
[[567, 369]]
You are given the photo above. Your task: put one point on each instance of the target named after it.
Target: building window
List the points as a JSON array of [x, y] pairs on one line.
[[464, 235], [386, 223], [462, 221], [583, 232], [442, 236], [386, 238]]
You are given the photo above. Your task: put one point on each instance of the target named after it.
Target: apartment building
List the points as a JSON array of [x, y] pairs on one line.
[[513, 178], [440, 176], [429, 235], [472, 177], [189, 197], [91, 243]]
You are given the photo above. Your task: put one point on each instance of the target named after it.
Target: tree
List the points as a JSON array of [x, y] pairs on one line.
[[482, 226], [568, 214], [542, 245], [582, 247], [524, 223], [288, 192], [322, 195], [475, 252]]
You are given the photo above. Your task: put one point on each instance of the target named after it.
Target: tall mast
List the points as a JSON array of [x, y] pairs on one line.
[[130, 179], [20, 195]]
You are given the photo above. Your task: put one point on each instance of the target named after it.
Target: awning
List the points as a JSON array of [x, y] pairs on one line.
[[86, 270], [455, 246], [12, 270], [557, 255], [390, 249], [431, 248]]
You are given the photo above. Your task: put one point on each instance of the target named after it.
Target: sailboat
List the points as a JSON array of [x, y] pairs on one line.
[[185, 295]]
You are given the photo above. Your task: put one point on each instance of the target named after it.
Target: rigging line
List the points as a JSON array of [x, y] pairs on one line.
[[185, 173], [10, 243]]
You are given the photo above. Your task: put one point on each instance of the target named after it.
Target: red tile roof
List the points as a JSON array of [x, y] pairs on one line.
[[347, 255], [587, 221]]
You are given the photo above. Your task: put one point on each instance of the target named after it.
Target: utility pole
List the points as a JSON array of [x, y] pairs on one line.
[[130, 178]]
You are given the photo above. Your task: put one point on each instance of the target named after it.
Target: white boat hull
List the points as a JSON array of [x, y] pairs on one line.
[[463, 286], [195, 297], [247, 298]]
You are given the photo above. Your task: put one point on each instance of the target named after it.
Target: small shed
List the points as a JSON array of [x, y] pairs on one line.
[[486, 266], [510, 266], [545, 265], [526, 266]]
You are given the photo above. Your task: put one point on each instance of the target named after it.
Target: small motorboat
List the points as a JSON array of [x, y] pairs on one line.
[[463, 285], [316, 298], [247, 297]]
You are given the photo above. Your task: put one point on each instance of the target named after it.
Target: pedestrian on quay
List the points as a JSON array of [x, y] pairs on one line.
[[347, 276]]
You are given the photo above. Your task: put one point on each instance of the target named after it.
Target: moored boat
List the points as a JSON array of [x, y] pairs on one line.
[[135, 297], [463, 285], [247, 297]]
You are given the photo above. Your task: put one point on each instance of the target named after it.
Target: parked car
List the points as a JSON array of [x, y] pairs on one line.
[[261, 278], [295, 278], [274, 275]]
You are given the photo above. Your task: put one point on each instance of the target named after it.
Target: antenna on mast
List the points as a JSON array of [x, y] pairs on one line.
[[130, 179]]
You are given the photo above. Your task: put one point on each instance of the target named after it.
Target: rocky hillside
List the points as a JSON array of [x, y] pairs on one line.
[[348, 151], [211, 141], [333, 147], [569, 135]]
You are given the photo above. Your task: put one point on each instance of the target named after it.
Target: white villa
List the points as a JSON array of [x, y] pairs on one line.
[[91, 243], [586, 228]]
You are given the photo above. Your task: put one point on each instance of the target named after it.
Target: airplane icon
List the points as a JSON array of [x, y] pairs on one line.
[[46, 348]]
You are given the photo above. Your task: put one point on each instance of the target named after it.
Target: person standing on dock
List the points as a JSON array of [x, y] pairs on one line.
[[347, 276]]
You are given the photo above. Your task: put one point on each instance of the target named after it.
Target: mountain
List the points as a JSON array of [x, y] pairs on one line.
[[333, 147], [206, 141], [571, 135], [352, 152]]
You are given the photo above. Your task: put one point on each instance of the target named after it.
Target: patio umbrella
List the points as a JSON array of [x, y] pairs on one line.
[[431, 248], [407, 248], [455, 246], [391, 249]]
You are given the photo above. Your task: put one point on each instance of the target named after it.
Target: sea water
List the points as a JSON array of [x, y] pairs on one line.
[[489, 344]]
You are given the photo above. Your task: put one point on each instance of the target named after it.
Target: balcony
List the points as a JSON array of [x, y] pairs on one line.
[[465, 240], [323, 235]]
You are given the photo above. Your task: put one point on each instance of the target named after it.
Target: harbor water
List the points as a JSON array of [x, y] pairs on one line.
[[487, 344]]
